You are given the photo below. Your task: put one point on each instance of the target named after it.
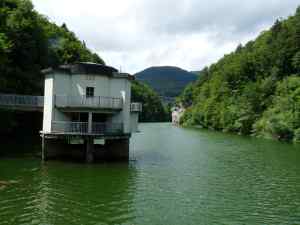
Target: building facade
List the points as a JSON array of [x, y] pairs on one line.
[[88, 103]]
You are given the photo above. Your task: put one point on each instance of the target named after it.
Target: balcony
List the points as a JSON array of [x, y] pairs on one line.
[[136, 107], [97, 102], [82, 128]]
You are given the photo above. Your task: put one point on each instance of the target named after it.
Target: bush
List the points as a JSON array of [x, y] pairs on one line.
[[297, 135]]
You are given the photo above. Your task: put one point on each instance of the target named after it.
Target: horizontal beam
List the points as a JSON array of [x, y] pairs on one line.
[[21, 102]]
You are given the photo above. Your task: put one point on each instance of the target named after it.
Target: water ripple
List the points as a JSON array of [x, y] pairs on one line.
[[183, 177]]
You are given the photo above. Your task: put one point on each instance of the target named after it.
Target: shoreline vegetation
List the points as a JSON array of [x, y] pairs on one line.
[[153, 108], [254, 90]]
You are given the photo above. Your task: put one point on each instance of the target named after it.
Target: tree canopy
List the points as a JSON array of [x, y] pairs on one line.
[[153, 109], [29, 43], [254, 90]]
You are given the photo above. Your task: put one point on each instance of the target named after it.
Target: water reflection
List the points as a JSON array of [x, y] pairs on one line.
[[64, 193], [181, 176]]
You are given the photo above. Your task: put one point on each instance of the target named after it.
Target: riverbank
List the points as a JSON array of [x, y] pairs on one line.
[[265, 136]]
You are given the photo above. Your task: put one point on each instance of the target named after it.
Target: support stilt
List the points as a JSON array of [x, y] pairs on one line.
[[43, 148], [90, 150]]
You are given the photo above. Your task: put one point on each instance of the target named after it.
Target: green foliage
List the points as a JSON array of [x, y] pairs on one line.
[[165, 80], [252, 90], [153, 109], [297, 135], [5, 46], [28, 44], [189, 94], [282, 119], [296, 62]]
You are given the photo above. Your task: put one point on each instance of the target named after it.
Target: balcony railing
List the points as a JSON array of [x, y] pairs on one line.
[[82, 128], [21, 100], [70, 127], [107, 128], [88, 102], [136, 107]]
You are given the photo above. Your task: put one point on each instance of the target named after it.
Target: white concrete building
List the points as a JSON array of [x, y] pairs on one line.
[[177, 113], [89, 101]]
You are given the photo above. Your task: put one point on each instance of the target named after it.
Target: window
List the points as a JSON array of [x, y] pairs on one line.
[[90, 92]]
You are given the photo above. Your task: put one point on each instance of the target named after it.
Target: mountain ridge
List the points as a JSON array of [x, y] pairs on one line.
[[167, 81]]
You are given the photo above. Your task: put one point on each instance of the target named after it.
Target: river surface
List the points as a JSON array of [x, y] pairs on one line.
[[176, 176]]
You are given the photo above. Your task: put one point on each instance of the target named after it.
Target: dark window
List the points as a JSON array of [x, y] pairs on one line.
[[90, 92]]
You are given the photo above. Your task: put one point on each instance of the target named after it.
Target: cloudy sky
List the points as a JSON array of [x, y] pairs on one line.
[[136, 34]]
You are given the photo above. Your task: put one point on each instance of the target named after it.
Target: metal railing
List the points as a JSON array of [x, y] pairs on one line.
[[107, 128], [70, 127], [90, 102], [21, 100], [82, 128], [136, 107]]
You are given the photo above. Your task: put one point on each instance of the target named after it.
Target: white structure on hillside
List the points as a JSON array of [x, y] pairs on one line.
[[177, 113]]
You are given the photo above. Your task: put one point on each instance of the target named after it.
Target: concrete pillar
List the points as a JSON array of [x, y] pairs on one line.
[[61, 149], [43, 148], [90, 123], [90, 150]]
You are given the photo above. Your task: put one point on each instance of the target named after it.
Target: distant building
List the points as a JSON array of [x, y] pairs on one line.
[[177, 113]]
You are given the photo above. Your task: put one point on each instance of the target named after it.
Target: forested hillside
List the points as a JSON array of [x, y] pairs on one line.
[[153, 109], [254, 90], [29, 43]]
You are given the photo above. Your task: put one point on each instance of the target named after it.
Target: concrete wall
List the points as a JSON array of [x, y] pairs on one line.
[[134, 117], [63, 84], [124, 116], [48, 103], [75, 85], [117, 150], [113, 150], [80, 82]]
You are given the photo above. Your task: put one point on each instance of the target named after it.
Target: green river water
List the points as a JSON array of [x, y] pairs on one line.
[[176, 176]]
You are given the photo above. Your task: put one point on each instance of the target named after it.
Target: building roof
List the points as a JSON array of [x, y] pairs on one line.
[[88, 68]]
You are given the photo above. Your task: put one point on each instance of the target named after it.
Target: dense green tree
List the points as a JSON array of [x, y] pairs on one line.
[[29, 43], [252, 90], [296, 62], [153, 109], [282, 119]]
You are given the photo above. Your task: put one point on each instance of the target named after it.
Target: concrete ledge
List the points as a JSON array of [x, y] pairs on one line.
[[80, 135], [112, 150]]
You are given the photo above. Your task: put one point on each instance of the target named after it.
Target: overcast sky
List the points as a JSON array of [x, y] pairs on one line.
[[191, 34]]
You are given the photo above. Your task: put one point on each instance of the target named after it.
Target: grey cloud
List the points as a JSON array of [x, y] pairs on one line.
[[155, 32], [158, 21], [192, 16]]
